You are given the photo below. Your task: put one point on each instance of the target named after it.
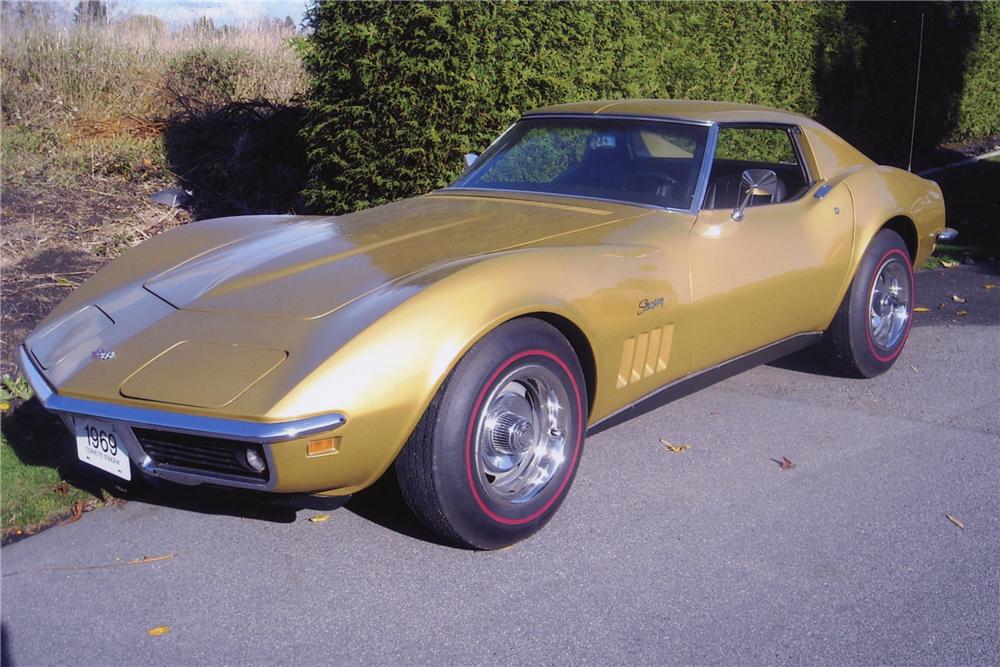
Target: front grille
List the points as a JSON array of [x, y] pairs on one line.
[[196, 452]]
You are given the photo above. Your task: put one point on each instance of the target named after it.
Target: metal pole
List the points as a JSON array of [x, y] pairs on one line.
[[916, 90]]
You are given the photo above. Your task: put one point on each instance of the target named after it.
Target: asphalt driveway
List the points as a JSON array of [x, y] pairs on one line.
[[715, 555]]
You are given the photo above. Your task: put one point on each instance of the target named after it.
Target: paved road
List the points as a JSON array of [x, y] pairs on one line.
[[715, 555]]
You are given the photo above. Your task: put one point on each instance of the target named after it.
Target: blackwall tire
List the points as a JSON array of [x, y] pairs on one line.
[[873, 322], [495, 454]]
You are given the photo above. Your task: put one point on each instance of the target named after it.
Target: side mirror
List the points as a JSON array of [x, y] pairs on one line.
[[757, 183], [470, 159]]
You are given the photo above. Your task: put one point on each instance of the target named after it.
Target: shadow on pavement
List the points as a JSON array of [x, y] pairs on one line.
[[382, 503], [809, 360], [5, 659], [39, 438]]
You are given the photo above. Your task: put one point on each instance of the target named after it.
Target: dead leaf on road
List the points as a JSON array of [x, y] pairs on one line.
[[150, 559], [921, 309], [785, 463], [676, 449], [77, 513], [957, 299], [955, 520], [962, 313], [319, 518], [158, 631], [990, 286]]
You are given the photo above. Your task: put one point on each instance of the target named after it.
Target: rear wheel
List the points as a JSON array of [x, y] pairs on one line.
[[873, 322], [496, 451]]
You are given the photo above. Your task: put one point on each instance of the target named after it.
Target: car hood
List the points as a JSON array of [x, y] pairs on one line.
[[306, 268]]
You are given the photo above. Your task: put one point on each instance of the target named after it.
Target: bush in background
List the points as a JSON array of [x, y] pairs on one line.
[[400, 91]]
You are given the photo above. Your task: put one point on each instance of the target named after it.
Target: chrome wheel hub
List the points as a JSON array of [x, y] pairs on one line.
[[889, 304], [521, 434]]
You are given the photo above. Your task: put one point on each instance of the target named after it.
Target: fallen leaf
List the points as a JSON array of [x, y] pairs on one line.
[[319, 518], [150, 559], [158, 631], [4, 407], [676, 449], [77, 513], [785, 463], [962, 313], [990, 286], [62, 488], [921, 309], [955, 520], [957, 299]]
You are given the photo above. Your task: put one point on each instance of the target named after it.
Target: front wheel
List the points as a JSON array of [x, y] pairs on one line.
[[495, 453], [871, 326]]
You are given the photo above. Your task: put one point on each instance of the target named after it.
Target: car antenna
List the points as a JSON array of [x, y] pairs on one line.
[[916, 89]]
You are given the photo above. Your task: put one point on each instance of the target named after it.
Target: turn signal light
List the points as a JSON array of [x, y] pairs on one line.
[[324, 446]]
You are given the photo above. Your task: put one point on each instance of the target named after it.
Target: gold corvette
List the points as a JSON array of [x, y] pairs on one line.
[[598, 259]]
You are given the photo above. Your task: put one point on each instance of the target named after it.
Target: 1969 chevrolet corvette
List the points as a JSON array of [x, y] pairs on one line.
[[598, 259]]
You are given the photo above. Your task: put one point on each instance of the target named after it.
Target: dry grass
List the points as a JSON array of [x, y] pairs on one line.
[[135, 72], [87, 114], [94, 121]]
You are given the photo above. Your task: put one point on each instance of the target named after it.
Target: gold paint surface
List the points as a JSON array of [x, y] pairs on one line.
[[377, 307], [217, 373]]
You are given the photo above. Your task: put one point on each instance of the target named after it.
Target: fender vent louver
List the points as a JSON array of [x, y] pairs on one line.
[[645, 355]]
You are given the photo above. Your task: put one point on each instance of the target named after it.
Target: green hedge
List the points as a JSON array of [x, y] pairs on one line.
[[401, 90]]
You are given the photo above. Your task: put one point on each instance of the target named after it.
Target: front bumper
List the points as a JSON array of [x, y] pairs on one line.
[[264, 434]]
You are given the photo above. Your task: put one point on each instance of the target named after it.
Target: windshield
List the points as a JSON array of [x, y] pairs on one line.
[[640, 161]]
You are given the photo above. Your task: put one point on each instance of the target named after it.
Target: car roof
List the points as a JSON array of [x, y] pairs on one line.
[[715, 112]]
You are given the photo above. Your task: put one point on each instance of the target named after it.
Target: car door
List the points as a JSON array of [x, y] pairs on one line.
[[779, 269]]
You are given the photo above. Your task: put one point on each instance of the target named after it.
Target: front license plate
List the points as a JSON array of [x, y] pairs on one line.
[[99, 444]]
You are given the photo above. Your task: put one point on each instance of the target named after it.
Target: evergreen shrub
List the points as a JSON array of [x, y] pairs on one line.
[[400, 91]]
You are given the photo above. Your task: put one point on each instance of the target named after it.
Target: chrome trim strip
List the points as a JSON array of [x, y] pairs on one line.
[[217, 427], [706, 170], [471, 191], [623, 116]]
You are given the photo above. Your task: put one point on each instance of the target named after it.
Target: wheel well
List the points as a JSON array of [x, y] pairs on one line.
[[581, 346], [907, 230]]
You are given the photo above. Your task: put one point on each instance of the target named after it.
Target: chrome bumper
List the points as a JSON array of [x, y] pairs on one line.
[[947, 234], [261, 433]]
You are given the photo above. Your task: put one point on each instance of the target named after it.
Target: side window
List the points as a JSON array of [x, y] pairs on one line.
[[755, 144], [740, 148]]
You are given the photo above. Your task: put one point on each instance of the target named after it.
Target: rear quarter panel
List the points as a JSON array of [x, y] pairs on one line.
[[884, 193]]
